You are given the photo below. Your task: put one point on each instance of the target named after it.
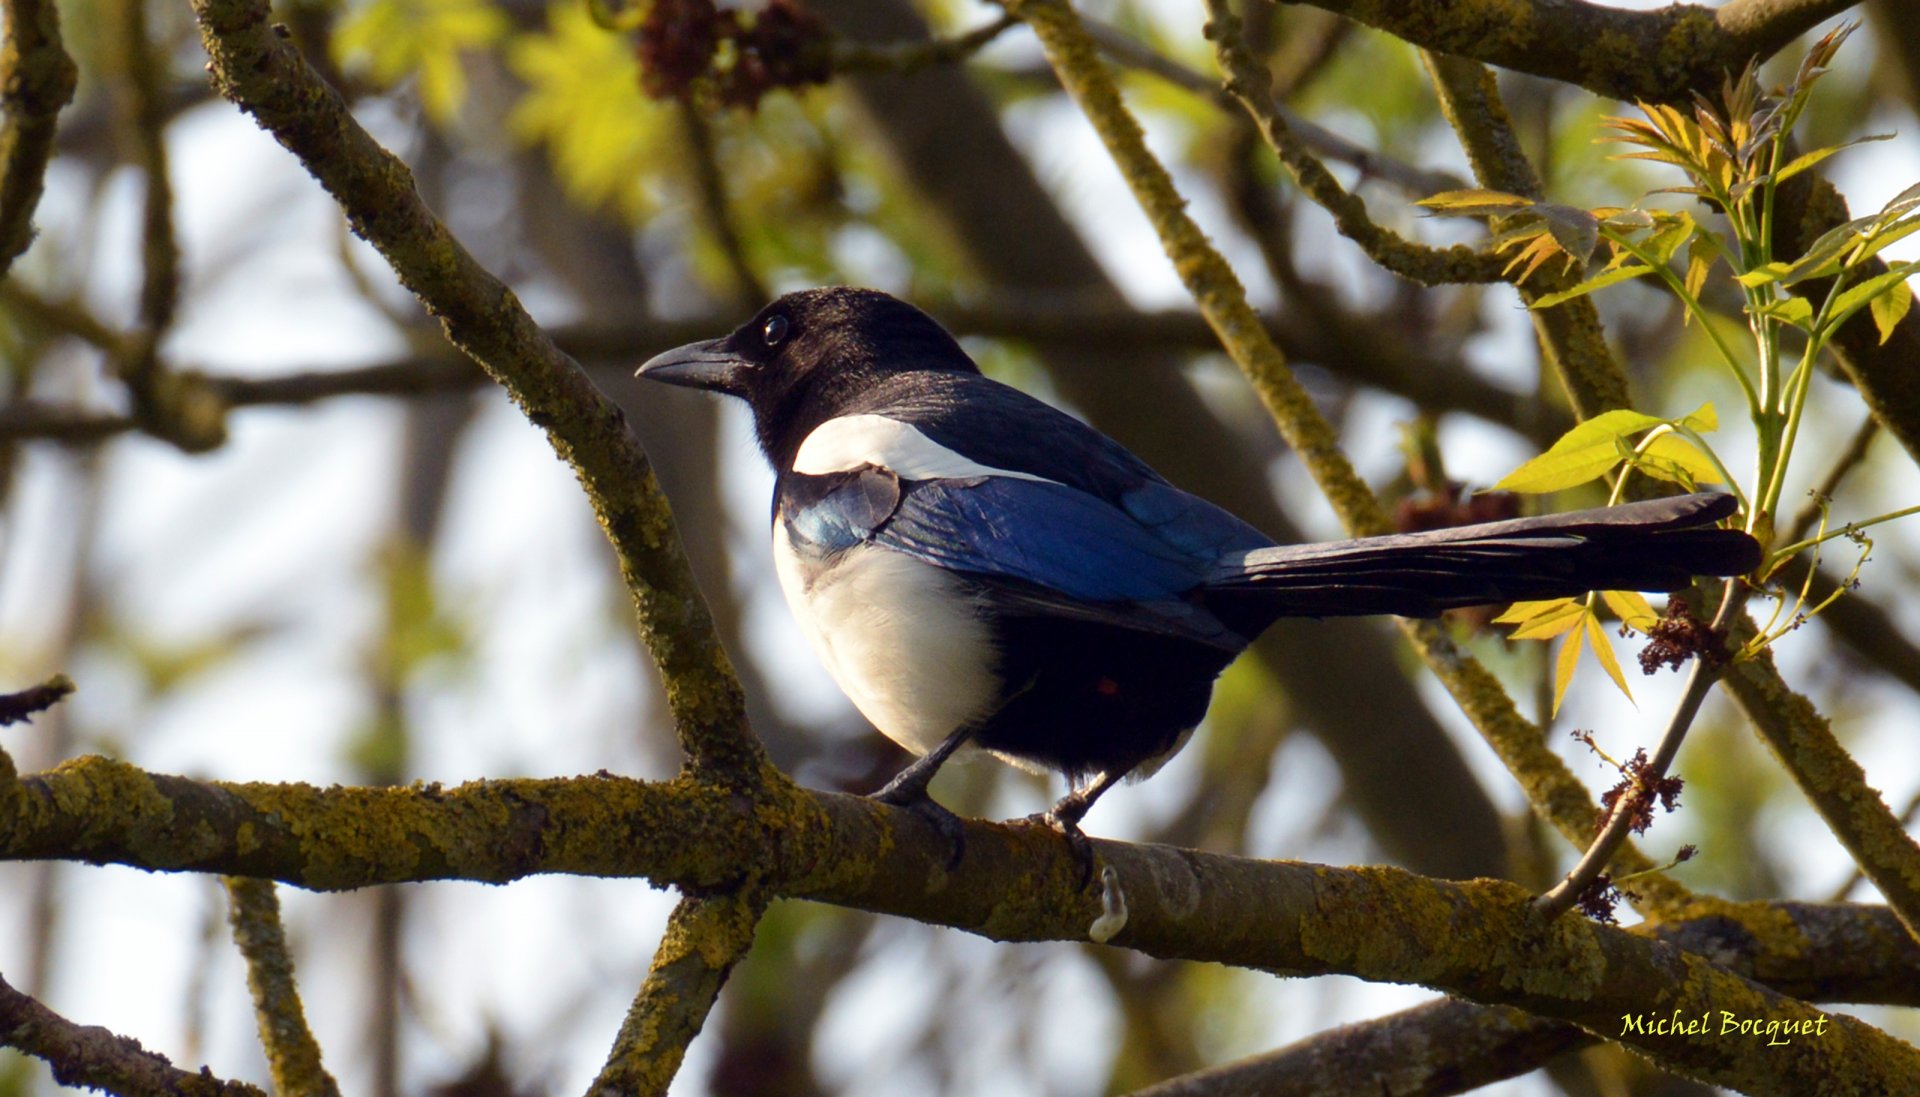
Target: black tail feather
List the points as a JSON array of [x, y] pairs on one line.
[[1658, 545]]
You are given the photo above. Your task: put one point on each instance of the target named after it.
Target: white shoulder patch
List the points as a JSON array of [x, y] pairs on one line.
[[851, 441]]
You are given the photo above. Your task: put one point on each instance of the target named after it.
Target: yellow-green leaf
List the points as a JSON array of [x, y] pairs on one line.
[[1563, 667], [1631, 607], [1599, 281], [1548, 625], [1527, 611], [1760, 276], [393, 39], [1853, 299], [1703, 419], [1678, 450], [1603, 651], [1586, 452], [1797, 311], [1475, 202], [1890, 308]]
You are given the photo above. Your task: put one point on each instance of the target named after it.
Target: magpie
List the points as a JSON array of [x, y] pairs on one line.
[[976, 568]]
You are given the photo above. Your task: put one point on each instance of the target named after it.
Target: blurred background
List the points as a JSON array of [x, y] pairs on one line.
[[373, 570]]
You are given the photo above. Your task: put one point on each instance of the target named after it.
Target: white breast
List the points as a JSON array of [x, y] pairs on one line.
[[898, 636]]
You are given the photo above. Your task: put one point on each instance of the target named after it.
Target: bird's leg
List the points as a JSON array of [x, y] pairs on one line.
[[1066, 813], [908, 790]]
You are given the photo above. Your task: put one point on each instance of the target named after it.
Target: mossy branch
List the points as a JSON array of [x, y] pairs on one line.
[[1248, 83], [293, 1056], [706, 936], [92, 1057], [1569, 333], [1478, 940], [265, 76], [1662, 55], [37, 79], [1833, 782]]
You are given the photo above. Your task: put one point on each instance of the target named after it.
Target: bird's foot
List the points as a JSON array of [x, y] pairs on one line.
[[944, 823], [1068, 824]]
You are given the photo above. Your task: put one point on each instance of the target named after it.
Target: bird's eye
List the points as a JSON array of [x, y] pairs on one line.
[[774, 331]]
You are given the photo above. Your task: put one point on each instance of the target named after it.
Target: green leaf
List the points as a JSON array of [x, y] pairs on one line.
[[1703, 420], [1575, 230], [1797, 311], [1603, 651], [393, 39], [1806, 160], [1664, 243], [1855, 298], [1760, 276], [1671, 453], [1880, 238], [1901, 204], [1474, 202], [1598, 281], [1586, 452], [1890, 308]]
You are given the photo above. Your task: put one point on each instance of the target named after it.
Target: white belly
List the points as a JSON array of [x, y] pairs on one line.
[[898, 638]]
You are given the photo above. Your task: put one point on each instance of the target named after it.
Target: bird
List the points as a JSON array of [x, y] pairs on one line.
[[978, 569]]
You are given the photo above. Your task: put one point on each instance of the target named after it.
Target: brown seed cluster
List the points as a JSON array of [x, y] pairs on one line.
[[691, 47]]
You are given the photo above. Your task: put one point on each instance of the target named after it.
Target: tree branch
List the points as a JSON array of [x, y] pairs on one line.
[[1664, 54], [1478, 940], [90, 1056], [37, 79], [293, 1056], [706, 936], [267, 78], [1570, 334]]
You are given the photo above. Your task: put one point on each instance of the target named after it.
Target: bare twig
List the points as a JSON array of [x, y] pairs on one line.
[[37, 79], [1570, 333], [1249, 83], [906, 57], [90, 1056], [293, 1056], [711, 188], [25, 704], [1708, 668]]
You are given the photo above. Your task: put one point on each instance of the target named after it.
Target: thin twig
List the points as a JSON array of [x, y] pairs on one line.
[[1412, 179], [908, 57], [293, 1056], [37, 79], [1708, 668], [89, 1056], [711, 187], [1849, 459], [1249, 84]]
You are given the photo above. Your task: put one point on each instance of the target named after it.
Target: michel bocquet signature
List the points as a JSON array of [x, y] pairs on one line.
[[1726, 1023]]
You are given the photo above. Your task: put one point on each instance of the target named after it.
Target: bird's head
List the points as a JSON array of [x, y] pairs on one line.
[[808, 357]]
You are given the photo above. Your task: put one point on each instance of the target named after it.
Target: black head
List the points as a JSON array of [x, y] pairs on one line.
[[807, 356]]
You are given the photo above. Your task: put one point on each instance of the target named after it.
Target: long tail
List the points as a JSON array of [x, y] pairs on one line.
[[1658, 545]]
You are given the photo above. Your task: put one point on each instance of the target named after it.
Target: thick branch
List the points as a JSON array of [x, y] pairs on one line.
[[1660, 54], [1832, 781], [268, 79], [1477, 940]]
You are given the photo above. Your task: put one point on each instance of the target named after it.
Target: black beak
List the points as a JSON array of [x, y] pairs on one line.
[[710, 365]]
